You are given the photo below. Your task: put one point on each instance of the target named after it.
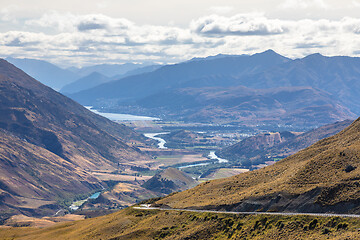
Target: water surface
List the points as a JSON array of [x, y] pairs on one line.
[[162, 142], [122, 117]]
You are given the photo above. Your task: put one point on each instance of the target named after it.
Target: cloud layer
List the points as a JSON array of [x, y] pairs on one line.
[[69, 39]]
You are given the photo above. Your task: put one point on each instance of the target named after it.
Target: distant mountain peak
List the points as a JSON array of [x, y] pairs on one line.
[[268, 52], [89, 81], [315, 55]]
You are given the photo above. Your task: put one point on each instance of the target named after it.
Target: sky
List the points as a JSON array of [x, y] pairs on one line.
[[87, 32]]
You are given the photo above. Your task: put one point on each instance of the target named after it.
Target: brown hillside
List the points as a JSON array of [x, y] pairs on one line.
[[281, 144], [49, 144], [322, 178], [31, 176]]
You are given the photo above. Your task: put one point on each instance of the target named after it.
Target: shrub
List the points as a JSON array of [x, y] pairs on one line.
[[312, 224]]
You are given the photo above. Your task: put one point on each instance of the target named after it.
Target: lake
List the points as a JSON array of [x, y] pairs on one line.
[[77, 204], [122, 117]]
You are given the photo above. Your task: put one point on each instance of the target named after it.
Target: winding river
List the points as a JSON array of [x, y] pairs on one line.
[[162, 142], [213, 156]]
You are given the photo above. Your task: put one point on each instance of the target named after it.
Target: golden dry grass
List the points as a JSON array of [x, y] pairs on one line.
[[140, 224], [22, 220], [319, 166], [118, 177], [225, 172]]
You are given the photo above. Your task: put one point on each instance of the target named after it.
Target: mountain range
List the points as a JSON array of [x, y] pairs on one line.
[[172, 76], [171, 89]]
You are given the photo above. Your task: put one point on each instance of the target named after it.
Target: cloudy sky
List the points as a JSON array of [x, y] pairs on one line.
[[85, 32]]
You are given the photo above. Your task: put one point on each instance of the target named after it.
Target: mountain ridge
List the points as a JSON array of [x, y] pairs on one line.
[[170, 76]]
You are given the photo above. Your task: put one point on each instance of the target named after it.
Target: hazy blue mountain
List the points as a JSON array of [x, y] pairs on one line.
[[109, 70], [337, 75], [45, 72], [172, 76], [166, 91], [92, 80], [137, 71], [296, 106]]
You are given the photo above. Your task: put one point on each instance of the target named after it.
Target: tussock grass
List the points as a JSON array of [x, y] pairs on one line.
[[141, 224], [321, 166]]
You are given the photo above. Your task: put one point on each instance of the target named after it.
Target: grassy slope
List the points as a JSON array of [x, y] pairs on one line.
[[138, 224], [320, 166]]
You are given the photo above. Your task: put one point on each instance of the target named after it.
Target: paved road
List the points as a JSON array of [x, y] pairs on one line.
[[146, 207]]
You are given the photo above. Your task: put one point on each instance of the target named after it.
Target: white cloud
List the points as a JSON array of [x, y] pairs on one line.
[[249, 24], [84, 39], [69, 22]]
